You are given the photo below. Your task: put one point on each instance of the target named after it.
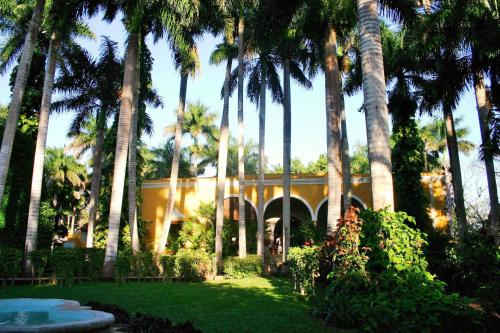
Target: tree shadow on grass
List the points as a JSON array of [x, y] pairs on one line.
[[247, 305]]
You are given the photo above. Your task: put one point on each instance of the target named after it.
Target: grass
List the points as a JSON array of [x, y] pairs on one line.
[[247, 305]]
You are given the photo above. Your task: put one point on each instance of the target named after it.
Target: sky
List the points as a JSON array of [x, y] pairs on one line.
[[308, 106]]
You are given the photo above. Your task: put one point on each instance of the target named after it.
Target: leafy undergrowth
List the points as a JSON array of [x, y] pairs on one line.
[[246, 305], [139, 322]]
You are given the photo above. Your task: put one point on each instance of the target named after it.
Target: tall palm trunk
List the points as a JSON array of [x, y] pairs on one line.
[[287, 147], [73, 220], [333, 120], [194, 157], [449, 206], [260, 184], [456, 174], [484, 113], [427, 6], [174, 173], [122, 140], [96, 178], [41, 142], [377, 118], [221, 168], [346, 162], [242, 236], [132, 170], [18, 93]]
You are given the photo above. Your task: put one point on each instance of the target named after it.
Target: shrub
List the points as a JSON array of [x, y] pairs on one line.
[[94, 263], [388, 302], [347, 254], [46, 227], [468, 265], [393, 245], [123, 265], [239, 268], [67, 264], [144, 265], [193, 265], [39, 261], [10, 262], [168, 267], [304, 266], [341, 252], [384, 285]]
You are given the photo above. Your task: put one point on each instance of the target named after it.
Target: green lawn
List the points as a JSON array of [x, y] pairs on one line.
[[247, 305]]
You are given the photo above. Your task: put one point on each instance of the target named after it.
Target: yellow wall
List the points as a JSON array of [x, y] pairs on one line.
[[312, 189]]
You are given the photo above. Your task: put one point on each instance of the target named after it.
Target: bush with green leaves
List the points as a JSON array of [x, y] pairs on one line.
[[93, 264], [10, 263], [389, 289], [393, 244], [304, 266], [144, 265], [168, 267], [46, 225], [123, 265], [408, 162], [67, 264], [193, 265], [39, 262], [467, 265], [470, 267], [240, 268], [391, 303]]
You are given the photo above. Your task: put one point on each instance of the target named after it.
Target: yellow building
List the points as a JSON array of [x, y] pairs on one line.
[[309, 194]]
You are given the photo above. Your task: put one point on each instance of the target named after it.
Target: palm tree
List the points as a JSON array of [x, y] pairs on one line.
[[188, 62], [242, 239], [20, 83], [65, 181], [140, 122], [192, 19], [140, 17], [484, 114], [198, 123], [434, 135], [377, 118], [481, 18], [91, 90], [159, 162], [65, 26], [133, 14], [346, 160], [292, 53], [262, 76], [132, 164], [444, 89], [227, 52], [326, 27]]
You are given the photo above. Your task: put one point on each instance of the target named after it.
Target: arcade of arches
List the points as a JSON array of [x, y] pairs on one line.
[[308, 201]]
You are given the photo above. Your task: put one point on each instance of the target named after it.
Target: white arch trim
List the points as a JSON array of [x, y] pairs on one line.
[[355, 197], [304, 201], [246, 199]]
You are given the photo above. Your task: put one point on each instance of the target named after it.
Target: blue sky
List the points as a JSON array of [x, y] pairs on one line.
[[308, 106]]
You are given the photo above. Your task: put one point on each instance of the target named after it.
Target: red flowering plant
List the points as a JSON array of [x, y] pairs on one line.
[[341, 252]]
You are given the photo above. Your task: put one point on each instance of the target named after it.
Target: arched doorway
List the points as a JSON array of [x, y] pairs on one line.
[[300, 213], [231, 232], [322, 212]]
